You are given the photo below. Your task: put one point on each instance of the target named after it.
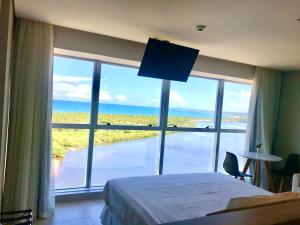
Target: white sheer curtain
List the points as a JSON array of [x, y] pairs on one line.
[[28, 170], [263, 109]]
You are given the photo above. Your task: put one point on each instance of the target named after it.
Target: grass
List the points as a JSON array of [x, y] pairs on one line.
[[74, 139], [117, 119]]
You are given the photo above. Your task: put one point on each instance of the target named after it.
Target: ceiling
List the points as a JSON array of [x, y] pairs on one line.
[[258, 32]]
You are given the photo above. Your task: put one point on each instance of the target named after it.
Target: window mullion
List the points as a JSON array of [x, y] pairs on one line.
[[219, 108], [164, 107], [93, 121]]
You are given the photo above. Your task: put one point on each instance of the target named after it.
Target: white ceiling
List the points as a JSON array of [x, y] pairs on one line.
[[257, 32]]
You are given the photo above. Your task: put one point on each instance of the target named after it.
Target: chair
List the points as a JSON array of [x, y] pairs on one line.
[[231, 166], [291, 166], [22, 217], [296, 182]]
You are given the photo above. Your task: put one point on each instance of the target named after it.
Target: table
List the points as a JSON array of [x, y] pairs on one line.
[[267, 159]]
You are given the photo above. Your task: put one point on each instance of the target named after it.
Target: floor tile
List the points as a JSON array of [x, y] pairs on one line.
[[75, 213]]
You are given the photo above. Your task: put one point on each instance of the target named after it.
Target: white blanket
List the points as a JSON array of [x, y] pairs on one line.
[[170, 198]]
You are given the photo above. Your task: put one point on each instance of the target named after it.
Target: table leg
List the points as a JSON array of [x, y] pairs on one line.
[[248, 162], [256, 173], [268, 170]]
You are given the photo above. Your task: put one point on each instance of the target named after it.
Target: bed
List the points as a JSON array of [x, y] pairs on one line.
[[170, 198]]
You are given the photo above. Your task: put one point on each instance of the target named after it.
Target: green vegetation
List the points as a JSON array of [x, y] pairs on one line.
[[117, 119], [73, 139]]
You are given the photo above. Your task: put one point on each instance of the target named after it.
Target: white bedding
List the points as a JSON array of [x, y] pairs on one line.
[[170, 198]]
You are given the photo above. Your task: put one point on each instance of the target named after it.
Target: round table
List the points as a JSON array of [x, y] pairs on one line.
[[267, 159]]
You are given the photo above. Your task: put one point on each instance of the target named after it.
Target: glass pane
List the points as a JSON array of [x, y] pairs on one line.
[[193, 104], [235, 105], [188, 152], [127, 99], [70, 157], [231, 142], [124, 153], [72, 85]]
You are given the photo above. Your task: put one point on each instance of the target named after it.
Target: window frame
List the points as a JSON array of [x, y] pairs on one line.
[[163, 127]]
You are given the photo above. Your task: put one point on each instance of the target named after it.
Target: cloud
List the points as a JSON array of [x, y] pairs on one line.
[[121, 98], [82, 91], [69, 91], [239, 94], [72, 88], [156, 101], [71, 79], [104, 96], [235, 106], [237, 101], [176, 100]]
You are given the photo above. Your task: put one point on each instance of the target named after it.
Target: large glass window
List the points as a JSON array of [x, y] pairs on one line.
[[236, 102], [235, 105], [72, 88], [193, 104], [110, 123], [126, 99], [124, 153], [70, 157], [189, 152], [232, 142]]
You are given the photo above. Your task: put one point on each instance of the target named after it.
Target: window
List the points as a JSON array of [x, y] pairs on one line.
[[70, 157], [126, 99], [235, 105], [72, 85], [193, 104], [235, 143], [236, 102], [110, 123], [124, 153], [189, 152]]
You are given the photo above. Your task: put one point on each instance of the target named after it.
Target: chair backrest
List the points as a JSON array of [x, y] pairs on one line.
[[291, 164], [231, 165], [296, 182]]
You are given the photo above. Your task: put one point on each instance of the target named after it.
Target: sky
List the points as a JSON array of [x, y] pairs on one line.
[[72, 80]]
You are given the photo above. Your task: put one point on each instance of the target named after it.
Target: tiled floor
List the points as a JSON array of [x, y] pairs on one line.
[[85, 212]]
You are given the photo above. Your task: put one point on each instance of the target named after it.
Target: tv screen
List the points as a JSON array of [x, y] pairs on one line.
[[167, 61]]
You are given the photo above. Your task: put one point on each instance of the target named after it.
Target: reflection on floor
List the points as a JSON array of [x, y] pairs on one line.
[[85, 212]]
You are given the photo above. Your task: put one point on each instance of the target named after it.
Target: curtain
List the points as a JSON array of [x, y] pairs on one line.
[[28, 171], [263, 110]]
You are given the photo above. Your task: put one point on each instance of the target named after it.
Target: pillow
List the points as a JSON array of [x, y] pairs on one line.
[[256, 201]]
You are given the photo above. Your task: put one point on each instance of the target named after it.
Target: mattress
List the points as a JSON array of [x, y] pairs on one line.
[[169, 198]]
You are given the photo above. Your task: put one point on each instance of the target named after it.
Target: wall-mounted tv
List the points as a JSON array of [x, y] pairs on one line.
[[167, 61]]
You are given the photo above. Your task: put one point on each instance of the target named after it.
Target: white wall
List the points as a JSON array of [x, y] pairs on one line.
[[6, 30], [70, 41]]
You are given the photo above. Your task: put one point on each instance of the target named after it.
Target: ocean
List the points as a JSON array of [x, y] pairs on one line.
[[105, 108]]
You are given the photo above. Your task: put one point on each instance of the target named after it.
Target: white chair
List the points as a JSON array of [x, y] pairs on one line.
[[296, 183]]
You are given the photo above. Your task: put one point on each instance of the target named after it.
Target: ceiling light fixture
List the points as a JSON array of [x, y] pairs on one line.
[[200, 28]]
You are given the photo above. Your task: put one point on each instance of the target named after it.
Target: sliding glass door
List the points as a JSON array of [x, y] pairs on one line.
[[109, 123]]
